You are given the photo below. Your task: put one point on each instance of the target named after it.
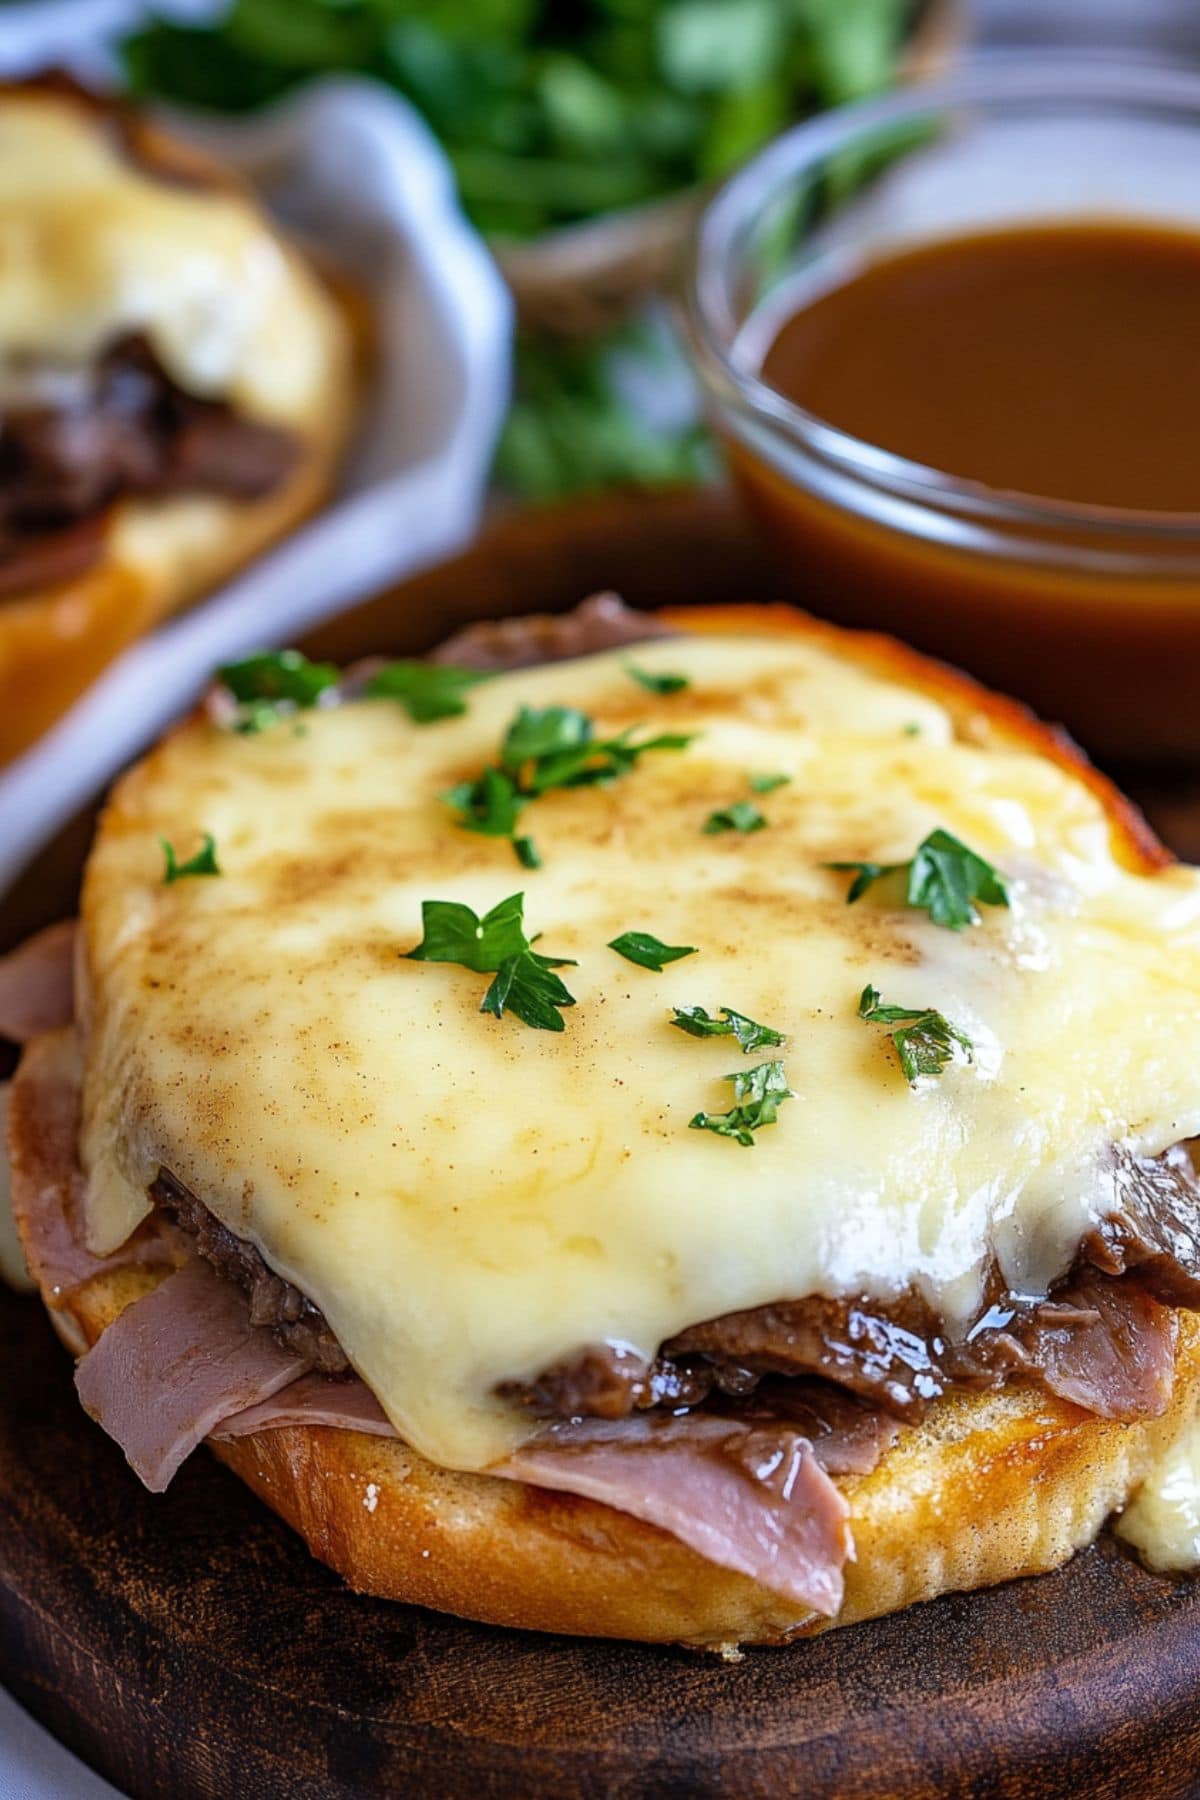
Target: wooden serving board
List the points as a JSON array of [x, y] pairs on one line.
[[188, 1647]]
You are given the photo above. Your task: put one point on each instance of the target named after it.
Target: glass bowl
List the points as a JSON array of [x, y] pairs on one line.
[[1089, 613]]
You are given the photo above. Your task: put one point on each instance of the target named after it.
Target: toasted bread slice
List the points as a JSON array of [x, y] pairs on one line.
[[986, 1488]]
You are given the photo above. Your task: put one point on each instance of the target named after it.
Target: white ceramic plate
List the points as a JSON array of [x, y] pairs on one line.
[[349, 165], [35, 1766]]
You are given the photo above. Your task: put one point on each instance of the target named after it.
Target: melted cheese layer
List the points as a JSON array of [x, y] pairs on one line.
[[92, 247], [1162, 1522], [469, 1200]]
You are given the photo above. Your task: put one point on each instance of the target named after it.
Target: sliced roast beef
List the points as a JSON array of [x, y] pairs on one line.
[[847, 1436], [886, 1351], [174, 1365], [1156, 1226], [37, 983], [749, 1498], [1107, 1345], [1103, 1342], [75, 439], [602, 623]]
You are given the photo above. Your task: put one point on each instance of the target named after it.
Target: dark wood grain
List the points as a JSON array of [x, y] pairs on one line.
[[189, 1648]]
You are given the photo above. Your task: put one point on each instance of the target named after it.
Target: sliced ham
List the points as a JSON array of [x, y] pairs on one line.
[[749, 1498], [174, 1366], [37, 983], [313, 1400], [847, 1436], [752, 1496], [48, 1188]]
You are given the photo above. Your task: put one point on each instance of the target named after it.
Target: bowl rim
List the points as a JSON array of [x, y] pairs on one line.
[[991, 80]]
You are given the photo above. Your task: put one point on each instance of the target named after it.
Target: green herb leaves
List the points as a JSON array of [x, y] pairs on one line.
[[656, 684], [527, 986], [945, 879], [750, 1035], [743, 815], [496, 943], [758, 1093], [203, 863], [545, 748], [274, 683], [427, 691], [925, 1040], [454, 933], [647, 951]]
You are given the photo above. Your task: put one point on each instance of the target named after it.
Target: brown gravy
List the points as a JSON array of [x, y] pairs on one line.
[[1060, 361]]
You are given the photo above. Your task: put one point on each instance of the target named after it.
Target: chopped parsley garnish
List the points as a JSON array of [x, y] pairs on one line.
[[657, 684], [528, 987], [496, 944], [944, 879], [490, 805], [758, 1092], [647, 951], [203, 863], [925, 1039], [766, 784], [743, 815], [273, 683], [752, 1036], [528, 854], [544, 748], [427, 691]]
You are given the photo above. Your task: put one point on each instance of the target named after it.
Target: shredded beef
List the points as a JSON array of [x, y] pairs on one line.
[[72, 441], [1156, 1228], [274, 1302], [602, 622]]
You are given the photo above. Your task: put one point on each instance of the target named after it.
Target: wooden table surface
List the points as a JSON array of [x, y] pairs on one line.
[[188, 1646]]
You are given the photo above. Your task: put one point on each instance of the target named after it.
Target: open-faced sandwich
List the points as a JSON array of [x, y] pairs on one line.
[[686, 1141], [177, 386]]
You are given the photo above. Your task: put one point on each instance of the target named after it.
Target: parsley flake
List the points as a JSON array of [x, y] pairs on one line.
[[654, 683], [759, 1093], [766, 784], [496, 944], [271, 684], [490, 805], [203, 863], [647, 951], [752, 1036], [427, 691], [945, 879], [743, 815], [925, 1039], [545, 748]]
